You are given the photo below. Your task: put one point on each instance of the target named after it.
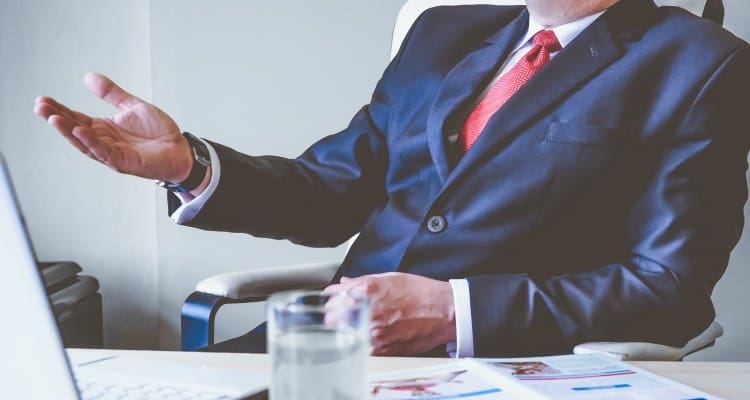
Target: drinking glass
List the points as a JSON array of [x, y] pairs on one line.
[[318, 344]]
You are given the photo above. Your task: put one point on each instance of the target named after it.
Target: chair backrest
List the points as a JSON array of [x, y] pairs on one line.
[[414, 8], [712, 9]]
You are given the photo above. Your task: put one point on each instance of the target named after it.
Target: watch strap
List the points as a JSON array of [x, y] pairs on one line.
[[201, 162]]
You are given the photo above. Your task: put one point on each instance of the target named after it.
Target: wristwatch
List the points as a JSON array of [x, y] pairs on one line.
[[201, 162]]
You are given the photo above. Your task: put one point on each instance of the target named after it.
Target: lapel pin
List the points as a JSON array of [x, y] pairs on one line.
[[594, 50]]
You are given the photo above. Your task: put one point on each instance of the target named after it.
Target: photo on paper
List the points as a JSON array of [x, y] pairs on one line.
[[436, 383], [526, 368]]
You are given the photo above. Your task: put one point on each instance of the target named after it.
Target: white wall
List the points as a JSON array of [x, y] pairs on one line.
[[737, 16], [77, 210], [220, 68]]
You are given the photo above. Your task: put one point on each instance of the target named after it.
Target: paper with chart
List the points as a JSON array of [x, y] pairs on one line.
[[588, 377], [568, 377], [441, 382]]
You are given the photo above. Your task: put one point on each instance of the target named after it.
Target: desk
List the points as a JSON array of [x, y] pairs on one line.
[[727, 380]]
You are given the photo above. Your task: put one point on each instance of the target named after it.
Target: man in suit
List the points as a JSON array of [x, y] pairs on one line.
[[524, 178]]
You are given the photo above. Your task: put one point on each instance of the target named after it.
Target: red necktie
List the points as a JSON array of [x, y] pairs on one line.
[[545, 43]]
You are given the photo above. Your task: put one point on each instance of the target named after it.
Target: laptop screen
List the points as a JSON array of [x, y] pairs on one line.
[[34, 365]]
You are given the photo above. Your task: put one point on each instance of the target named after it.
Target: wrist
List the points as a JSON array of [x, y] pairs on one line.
[[204, 184], [195, 171], [449, 312], [184, 161]]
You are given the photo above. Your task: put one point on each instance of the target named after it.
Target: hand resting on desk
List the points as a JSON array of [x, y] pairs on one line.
[[411, 314]]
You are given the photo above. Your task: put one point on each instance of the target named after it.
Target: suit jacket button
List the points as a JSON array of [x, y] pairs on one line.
[[436, 224]]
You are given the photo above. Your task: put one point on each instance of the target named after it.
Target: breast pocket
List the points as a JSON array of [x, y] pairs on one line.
[[580, 134], [581, 156]]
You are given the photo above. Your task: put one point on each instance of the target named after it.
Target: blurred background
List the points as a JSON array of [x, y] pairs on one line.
[[228, 71]]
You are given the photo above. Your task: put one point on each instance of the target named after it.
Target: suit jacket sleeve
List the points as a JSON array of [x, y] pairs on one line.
[[679, 235], [321, 198]]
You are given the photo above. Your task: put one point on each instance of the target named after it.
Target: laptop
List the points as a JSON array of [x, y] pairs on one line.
[[35, 365]]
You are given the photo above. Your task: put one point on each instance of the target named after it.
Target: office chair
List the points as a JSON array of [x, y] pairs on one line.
[[200, 308], [76, 303]]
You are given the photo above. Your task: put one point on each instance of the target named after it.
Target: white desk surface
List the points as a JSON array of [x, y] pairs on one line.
[[728, 380]]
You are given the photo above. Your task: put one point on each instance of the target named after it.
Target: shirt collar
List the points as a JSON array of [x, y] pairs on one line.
[[565, 33]]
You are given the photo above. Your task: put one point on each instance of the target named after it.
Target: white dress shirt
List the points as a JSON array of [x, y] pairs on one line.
[[464, 346]]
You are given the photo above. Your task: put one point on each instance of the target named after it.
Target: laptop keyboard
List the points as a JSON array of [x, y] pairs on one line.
[[144, 391]]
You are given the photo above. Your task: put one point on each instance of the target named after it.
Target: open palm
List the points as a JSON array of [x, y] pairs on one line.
[[139, 140]]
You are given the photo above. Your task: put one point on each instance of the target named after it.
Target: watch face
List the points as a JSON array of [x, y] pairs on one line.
[[171, 186], [200, 152], [204, 161]]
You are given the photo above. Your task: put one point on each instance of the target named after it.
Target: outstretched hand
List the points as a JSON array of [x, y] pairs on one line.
[[139, 140]]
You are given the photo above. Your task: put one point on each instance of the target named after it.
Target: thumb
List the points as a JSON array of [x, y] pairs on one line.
[[108, 91]]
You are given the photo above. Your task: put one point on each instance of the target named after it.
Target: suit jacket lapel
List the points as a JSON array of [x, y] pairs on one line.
[[462, 83], [593, 50]]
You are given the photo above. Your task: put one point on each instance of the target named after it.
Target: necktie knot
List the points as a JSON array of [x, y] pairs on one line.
[[545, 43], [548, 40]]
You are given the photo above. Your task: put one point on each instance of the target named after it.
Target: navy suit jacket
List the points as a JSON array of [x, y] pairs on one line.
[[600, 203]]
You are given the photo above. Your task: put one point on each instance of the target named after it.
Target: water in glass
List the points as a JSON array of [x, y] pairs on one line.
[[319, 363]]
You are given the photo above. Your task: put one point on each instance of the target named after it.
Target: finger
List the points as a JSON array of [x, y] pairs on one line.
[[65, 127], [110, 92], [77, 116], [44, 99], [399, 348], [388, 346], [338, 299], [333, 289], [360, 289], [386, 349], [382, 320], [385, 337], [416, 347], [62, 124], [379, 349], [378, 342], [46, 109]]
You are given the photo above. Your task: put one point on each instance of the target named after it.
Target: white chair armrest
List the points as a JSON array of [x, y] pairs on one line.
[[263, 282], [640, 351]]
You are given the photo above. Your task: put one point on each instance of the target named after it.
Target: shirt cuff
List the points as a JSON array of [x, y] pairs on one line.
[[192, 206], [464, 346]]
